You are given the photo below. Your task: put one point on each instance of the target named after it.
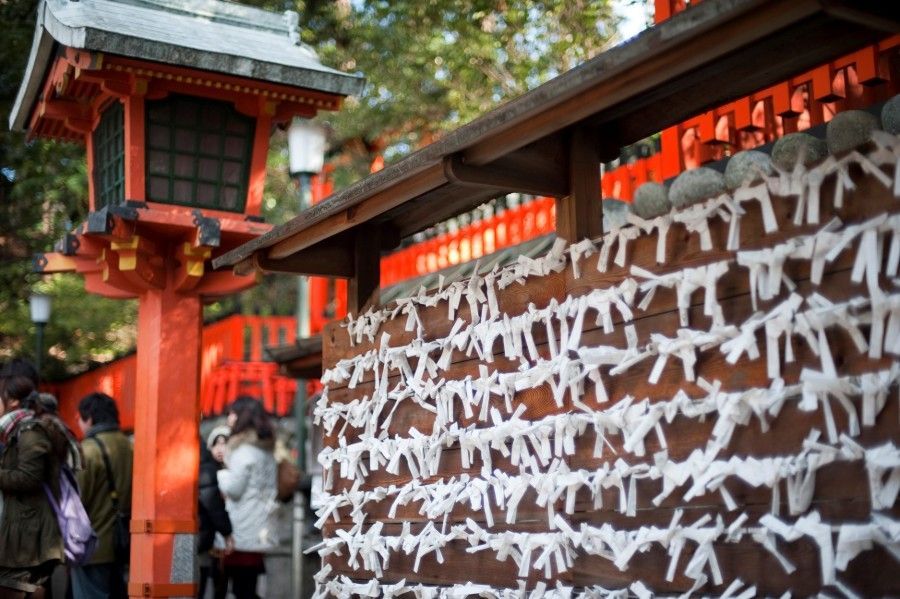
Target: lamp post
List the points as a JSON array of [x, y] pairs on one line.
[[306, 157], [39, 306]]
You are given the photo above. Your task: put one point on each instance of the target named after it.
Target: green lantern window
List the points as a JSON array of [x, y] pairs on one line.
[[109, 157], [198, 153]]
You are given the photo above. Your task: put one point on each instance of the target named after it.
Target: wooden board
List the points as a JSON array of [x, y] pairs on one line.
[[841, 488]]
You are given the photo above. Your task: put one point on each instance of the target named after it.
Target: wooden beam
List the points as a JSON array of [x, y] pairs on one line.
[[541, 182], [326, 260], [364, 285], [578, 215], [353, 215]]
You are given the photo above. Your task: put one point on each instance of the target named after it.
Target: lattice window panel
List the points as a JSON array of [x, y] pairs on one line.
[[198, 153], [109, 157]]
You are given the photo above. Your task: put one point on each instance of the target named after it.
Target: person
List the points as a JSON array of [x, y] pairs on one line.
[[214, 521], [105, 574], [249, 483], [36, 447]]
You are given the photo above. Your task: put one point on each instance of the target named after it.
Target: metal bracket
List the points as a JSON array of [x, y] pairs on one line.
[[162, 589], [163, 527]]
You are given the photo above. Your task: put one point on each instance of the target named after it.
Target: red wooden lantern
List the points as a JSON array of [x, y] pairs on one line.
[[175, 103]]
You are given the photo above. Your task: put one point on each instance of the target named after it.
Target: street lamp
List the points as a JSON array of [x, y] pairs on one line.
[[306, 147], [39, 306], [306, 157]]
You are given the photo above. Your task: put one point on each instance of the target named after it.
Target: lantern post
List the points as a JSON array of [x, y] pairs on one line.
[[39, 305], [175, 107]]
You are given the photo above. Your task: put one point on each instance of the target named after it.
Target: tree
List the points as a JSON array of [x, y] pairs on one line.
[[431, 66], [42, 189]]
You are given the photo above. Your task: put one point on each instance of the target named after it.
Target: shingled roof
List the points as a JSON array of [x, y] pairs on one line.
[[203, 34]]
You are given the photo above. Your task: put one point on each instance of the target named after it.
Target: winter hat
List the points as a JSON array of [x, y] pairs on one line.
[[223, 430]]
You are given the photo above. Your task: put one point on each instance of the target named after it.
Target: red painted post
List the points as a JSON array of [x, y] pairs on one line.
[[167, 445]]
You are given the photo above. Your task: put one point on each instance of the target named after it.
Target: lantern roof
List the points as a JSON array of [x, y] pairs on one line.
[[206, 35]]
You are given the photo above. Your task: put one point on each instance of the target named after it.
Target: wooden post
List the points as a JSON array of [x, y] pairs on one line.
[[579, 214], [366, 281], [166, 446]]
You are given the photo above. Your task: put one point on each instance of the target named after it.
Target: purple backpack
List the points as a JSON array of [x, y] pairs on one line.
[[79, 538]]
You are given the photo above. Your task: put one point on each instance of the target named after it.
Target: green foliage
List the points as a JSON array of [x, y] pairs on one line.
[[432, 66], [43, 186]]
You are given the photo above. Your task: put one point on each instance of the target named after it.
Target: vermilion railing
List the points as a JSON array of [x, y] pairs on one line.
[[510, 227]]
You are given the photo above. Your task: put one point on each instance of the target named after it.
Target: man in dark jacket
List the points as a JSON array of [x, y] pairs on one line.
[[106, 493]]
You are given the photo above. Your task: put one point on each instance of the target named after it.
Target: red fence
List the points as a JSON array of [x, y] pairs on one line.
[[510, 227], [231, 364]]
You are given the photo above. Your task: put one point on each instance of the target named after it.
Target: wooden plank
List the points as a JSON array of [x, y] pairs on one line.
[[504, 180], [838, 486], [333, 258], [711, 363], [350, 217], [746, 560], [683, 435]]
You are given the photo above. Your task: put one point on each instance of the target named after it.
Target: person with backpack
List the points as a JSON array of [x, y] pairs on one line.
[[38, 455], [105, 485]]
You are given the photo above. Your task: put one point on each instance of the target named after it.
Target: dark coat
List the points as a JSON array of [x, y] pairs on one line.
[[213, 516], [29, 532], [95, 489]]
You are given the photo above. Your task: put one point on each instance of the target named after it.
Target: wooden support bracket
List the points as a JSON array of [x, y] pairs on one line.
[[364, 285], [579, 214]]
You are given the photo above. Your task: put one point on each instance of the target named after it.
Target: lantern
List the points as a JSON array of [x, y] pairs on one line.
[[175, 104]]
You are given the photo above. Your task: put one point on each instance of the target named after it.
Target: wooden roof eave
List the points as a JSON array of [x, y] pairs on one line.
[[666, 74], [302, 359]]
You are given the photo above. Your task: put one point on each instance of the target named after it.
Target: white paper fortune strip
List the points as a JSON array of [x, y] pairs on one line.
[[525, 442], [702, 472], [550, 553], [344, 587]]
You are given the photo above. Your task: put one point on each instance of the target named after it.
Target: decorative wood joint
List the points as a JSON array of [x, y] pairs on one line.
[[139, 86], [209, 230], [191, 265], [84, 60], [53, 262], [140, 262]]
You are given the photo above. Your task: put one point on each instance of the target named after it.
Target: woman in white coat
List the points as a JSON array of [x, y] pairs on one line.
[[249, 484]]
